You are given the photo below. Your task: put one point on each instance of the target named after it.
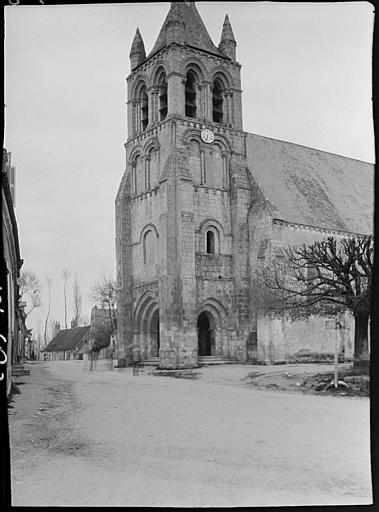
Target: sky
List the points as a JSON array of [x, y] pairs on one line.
[[306, 78]]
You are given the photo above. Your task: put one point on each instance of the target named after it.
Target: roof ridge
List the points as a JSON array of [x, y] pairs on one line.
[[309, 147]]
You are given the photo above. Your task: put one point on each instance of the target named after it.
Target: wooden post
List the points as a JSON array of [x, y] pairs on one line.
[[336, 352]]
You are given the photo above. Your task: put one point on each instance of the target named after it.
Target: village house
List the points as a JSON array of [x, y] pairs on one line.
[[202, 203], [15, 332], [68, 344]]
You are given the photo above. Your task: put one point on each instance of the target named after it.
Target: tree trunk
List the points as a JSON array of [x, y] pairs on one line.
[[361, 355]]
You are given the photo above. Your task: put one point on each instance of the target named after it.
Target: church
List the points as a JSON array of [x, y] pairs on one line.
[[202, 202]]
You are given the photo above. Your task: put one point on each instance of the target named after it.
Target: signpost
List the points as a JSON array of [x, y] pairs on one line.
[[337, 325]]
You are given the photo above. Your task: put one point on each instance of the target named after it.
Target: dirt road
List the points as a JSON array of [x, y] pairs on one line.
[[108, 438]]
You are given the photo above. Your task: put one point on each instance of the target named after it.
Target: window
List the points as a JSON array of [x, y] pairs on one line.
[[136, 174], [133, 180], [162, 88], [149, 247], [190, 95], [210, 242], [144, 108], [146, 252], [217, 102]]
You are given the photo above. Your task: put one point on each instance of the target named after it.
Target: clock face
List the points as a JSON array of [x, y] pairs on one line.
[[207, 135]]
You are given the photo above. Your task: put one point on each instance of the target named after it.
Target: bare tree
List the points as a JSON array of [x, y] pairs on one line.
[[103, 294], [328, 276], [39, 338], [30, 290], [77, 303], [48, 279], [65, 275], [54, 328]]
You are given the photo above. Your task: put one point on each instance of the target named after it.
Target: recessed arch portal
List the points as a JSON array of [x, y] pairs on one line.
[[205, 333], [154, 334], [146, 325]]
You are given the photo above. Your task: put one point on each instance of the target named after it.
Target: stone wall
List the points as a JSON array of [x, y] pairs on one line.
[[281, 339]]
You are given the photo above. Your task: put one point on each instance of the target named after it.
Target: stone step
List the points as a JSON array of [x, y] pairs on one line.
[[17, 372], [213, 357], [208, 360], [152, 361]]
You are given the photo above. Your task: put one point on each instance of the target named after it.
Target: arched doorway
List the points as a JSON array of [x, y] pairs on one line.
[[204, 334], [154, 334]]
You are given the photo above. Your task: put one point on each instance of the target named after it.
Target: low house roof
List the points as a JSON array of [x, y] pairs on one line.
[[312, 187], [68, 339]]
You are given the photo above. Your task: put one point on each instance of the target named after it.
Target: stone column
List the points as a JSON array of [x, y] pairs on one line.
[[156, 104], [208, 102], [134, 117], [138, 116], [135, 182], [202, 167], [199, 106], [225, 170], [150, 97], [175, 92], [232, 117], [129, 117], [147, 172], [226, 108]]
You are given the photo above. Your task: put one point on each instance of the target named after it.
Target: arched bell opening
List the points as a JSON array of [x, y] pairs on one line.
[[206, 334], [190, 94], [217, 102]]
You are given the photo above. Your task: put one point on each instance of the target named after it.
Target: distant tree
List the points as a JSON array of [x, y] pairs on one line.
[[326, 277], [103, 294], [77, 303], [30, 290], [65, 276], [52, 325], [39, 337], [49, 281], [100, 334]]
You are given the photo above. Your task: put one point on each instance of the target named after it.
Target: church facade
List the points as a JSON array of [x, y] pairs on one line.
[[201, 202]]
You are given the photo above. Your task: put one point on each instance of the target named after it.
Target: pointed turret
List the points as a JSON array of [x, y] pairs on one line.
[[227, 42], [175, 25], [137, 52]]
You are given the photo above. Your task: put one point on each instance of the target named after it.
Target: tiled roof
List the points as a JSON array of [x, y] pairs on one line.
[[312, 187], [196, 34], [68, 339]]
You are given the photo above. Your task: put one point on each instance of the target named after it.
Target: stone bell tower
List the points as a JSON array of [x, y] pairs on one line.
[[181, 209]]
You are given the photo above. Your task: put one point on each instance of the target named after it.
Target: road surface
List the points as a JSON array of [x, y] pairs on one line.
[[108, 438]]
